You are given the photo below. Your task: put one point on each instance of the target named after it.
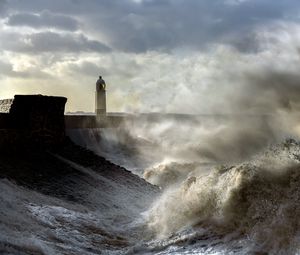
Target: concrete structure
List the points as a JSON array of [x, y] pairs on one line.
[[100, 103], [29, 106], [94, 121], [32, 121], [100, 98], [39, 114]]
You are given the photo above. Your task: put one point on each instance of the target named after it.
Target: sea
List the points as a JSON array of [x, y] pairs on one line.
[[197, 185]]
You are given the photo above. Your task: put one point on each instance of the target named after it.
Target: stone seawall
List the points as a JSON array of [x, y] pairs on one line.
[[4, 121], [92, 121], [32, 121]]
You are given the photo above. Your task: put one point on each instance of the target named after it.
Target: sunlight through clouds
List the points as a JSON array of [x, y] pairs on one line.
[[174, 49]]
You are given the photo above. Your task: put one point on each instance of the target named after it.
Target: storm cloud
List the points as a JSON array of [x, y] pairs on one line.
[[211, 52], [45, 19], [139, 26], [51, 42]]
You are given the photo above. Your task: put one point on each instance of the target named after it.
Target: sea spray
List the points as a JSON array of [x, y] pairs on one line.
[[219, 182], [166, 174], [248, 199], [147, 140]]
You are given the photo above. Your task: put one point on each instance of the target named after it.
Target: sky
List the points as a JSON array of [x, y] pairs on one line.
[[187, 56]]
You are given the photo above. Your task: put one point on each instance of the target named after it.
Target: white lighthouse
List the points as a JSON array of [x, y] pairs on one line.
[[100, 98]]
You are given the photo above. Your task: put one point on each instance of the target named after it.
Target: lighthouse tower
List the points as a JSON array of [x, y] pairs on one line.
[[100, 102]]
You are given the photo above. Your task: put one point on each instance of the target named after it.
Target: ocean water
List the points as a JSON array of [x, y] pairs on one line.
[[88, 212], [216, 192]]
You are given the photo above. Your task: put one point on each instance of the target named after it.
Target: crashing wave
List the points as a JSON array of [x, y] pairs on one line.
[[259, 199], [165, 175]]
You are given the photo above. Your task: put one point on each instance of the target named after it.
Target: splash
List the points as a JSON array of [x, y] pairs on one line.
[[258, 199]]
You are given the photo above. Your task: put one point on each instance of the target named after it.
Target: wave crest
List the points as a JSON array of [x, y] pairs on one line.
[[255, 198]]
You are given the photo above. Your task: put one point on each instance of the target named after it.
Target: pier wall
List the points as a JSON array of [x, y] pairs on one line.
[[24, 106], [32, 121], [93, 121]]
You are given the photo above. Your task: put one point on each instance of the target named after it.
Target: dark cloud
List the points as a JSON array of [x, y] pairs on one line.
[[139, 26], [3, 8], [52, 42], [45, 19], [164, 25]]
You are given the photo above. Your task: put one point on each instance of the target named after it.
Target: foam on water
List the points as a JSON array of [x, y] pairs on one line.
[[256, 200], [221, 193], [104, 218]]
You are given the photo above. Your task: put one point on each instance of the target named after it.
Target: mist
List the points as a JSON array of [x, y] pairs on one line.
[[229, 144], [233, 104], [219, 79], [196, 149]]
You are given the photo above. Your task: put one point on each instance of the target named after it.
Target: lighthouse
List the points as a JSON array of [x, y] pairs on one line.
[[100, 101]]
